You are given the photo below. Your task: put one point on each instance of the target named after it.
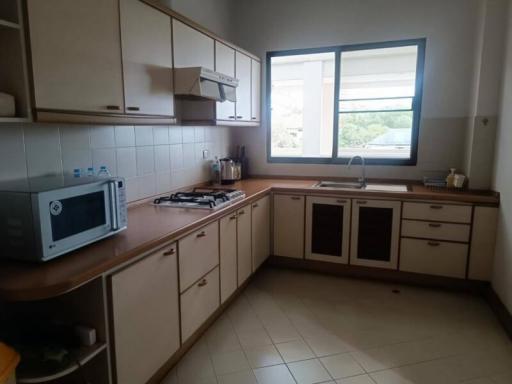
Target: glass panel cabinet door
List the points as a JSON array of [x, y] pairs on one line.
[[327, 229], [375, 233]]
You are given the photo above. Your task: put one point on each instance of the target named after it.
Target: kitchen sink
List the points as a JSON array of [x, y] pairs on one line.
[[356, 185]]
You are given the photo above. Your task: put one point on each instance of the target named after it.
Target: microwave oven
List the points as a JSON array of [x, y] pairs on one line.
[[42, 218]]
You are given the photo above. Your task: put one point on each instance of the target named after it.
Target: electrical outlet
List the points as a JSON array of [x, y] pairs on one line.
[[206, 154]]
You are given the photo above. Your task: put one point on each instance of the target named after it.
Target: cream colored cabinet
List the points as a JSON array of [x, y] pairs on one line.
[[191, 47], [243, 92], [244, 249], [225, 64], [145, 315], [289, 226], [260, 231], [228, 256], [198, 303], [483, 242], [434, 211], [199, 254], [327, 229], [375, 233], [76, 55], [255, 90], [147, 59]]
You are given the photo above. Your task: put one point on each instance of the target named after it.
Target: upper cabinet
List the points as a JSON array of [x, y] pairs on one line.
[[255, 90], [191, 47], [243, 92], [76, 55], [225, 63], [147, 59]]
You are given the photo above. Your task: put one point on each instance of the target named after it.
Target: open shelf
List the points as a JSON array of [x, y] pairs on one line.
[[83, 356]]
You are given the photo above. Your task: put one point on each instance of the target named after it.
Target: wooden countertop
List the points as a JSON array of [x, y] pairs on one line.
[[151, 226]]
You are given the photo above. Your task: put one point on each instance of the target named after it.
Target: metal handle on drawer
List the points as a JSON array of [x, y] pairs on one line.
[[296, 198], [361, 202], [239, 117], [232, 217], [170, 252], [255, 205], [436, 207], [202, 234], [344, 201], [113, 107], [231, 117], [434, 225], [241, 213], [202, 283], [133, 109], [433, 243]]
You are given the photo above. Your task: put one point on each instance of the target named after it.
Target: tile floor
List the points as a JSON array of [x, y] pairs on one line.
[[292, 327]]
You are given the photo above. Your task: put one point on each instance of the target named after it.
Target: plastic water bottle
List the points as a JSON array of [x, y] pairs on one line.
[[104, 172], [77, 173], [90, 172]]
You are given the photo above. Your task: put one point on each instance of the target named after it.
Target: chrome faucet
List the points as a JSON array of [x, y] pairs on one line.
[[362, 179]]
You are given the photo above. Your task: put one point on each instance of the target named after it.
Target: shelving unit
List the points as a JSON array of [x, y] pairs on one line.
[[13, 63]]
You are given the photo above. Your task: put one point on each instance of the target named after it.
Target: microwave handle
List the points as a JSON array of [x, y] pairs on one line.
[[114, 204]]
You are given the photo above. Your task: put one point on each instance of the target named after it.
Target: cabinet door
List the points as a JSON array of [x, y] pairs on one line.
[[225, 64], [76, 55], [147, 59], [228, 254], [198, 303], [243, 92], [145, 314], [375, 233], [327, 229], [191, 47], [244, 244], [255, 90], [289, 226], [260, 231]]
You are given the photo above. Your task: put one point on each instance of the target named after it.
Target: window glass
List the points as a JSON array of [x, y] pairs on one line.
[[377, 90], [302, 105]]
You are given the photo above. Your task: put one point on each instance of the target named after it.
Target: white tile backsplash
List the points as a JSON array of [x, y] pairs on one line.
[[153, 160]]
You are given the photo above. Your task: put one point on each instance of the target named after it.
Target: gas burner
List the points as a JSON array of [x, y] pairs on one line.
[[205, 198]]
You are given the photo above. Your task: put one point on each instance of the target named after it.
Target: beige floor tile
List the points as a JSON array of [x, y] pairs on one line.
[[502, 378], [277, 374], [361, 379], [295, 351], [483, 380], [254, 338], [431, 372], [309, 372], [229, 362], [263, 356], [244, 377], [343, 365], [325, 345]]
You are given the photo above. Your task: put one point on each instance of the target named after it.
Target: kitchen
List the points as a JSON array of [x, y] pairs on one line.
[[262, 191]]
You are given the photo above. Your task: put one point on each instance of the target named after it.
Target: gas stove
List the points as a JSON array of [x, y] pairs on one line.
[[202, 198]]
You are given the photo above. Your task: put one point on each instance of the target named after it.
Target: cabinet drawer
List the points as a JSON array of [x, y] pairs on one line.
[[198, 303], [199, 253], [433, 258], [438, 231], [437, 212]]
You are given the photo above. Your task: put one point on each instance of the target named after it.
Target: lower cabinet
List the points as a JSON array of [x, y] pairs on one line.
[[260, 231], [145, 315], [375, 233], [228, 256], [327, 229], [198, 303], [244, 249], [289, 226], [433, 257]]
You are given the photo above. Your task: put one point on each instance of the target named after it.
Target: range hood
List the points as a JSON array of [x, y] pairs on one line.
[[203, 83]]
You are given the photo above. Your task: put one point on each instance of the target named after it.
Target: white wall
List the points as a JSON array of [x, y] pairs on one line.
[[215, 15], [502, 279], [451, 29], [153, 160]]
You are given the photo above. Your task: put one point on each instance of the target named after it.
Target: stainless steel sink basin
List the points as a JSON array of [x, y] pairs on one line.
[[356, 185]]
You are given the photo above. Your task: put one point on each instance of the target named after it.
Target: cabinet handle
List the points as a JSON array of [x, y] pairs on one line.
[[239, 117], [344, 201], [254, 118], [113, 107], [133, 108], [232, 217], [170, 252], [296, 198], [433, 243], [255, 205], [241, 213], [361, 202], [434, 225], [202, 283], [202, 234], [436, 207], [231, 117]]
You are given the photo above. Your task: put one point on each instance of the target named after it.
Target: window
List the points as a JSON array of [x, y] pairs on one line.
[[327, 105]]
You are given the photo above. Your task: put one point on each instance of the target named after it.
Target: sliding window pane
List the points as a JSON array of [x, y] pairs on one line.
[[302, 105], [377, 90]]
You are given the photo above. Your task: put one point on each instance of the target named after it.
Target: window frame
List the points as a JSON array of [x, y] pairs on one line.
[[338, 50]]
